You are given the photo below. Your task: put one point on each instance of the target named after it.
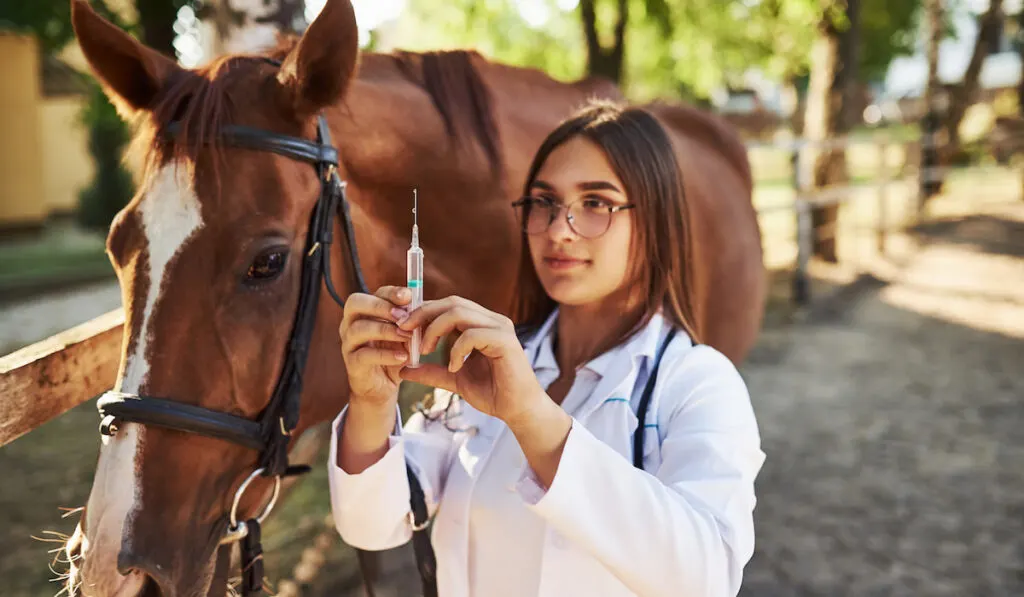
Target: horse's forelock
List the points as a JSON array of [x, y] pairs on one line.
[[200, 102]]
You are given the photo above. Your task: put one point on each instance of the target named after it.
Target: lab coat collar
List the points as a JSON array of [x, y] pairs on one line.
[[617, 367]]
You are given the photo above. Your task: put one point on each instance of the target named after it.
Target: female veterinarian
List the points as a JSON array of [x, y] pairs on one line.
[[531, 469]]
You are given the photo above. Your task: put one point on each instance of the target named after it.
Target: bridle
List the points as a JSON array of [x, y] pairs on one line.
[[271, 432]]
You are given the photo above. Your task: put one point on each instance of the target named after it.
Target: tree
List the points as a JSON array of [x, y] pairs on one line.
[[932, 104], [961, 95], [156, 23], [834, 61], [249, 25], [602, 61], [48, 20]]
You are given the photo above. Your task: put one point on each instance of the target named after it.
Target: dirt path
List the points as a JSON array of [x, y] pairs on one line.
[[893, 423], [32, 319]]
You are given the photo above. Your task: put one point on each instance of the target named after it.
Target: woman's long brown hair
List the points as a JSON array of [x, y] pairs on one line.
[[641, 155]]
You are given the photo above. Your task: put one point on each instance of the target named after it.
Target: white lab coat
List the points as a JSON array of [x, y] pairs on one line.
[[682, 527]]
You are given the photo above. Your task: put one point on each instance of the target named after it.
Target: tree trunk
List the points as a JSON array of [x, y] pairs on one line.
[[989, 27], [834, 58], [246, 25], [935, 103], [1020, 53], [156, 19], [601, 61]]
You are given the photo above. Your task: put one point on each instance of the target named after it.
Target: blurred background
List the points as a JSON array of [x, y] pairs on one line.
[[885, 138]]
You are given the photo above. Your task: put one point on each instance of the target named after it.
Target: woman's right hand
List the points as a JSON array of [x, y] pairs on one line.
[[373, 346]]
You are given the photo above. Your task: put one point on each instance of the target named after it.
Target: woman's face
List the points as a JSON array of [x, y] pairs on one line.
[[576, 270]]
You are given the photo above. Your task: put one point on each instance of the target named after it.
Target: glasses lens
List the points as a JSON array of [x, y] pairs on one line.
[[590, 218], [534, 214]]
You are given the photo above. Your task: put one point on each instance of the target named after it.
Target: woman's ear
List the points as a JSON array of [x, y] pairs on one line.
[[132, 74], [317, 72]]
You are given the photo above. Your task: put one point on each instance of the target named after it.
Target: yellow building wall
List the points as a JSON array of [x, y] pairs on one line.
[[22, 194], [63, 135]]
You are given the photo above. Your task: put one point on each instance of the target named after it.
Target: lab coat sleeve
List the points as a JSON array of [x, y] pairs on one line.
[[371, 508], [688, 528]]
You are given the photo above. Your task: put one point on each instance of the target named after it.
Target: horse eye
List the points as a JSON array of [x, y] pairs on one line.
[[267, 265]]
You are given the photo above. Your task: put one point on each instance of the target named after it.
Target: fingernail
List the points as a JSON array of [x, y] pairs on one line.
[[401, 356], [400, 315], [403, 293]]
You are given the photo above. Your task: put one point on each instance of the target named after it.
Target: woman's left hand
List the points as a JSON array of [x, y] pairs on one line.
[[488, 366]]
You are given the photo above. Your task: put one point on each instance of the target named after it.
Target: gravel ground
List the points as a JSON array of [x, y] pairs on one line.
[[32, 319], [892, 420]]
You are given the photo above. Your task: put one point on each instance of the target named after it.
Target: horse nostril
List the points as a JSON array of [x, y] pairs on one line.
[[151, 578]]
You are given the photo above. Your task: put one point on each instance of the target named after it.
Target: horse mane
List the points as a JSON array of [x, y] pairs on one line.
[[458, 93]]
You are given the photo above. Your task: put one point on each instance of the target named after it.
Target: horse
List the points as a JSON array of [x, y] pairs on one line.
[[209, 254]]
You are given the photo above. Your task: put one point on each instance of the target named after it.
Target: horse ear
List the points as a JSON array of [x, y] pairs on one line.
[[132, 73], [318, 70]]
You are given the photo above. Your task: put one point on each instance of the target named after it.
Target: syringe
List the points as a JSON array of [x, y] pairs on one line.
[[414, 279]]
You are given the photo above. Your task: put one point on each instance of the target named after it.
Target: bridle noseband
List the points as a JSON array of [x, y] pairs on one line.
[[271, 432]]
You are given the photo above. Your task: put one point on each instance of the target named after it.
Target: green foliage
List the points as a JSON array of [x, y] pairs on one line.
[[888, 29], [48, 20], [112, 187], [673, 47]]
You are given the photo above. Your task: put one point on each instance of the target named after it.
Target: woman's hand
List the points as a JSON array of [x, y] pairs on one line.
[[487, 367], [373, 347]]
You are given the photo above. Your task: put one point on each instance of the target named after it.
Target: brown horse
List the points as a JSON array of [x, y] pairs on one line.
[[208, 253]]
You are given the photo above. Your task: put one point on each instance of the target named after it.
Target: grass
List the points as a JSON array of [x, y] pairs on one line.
[[62, 253]]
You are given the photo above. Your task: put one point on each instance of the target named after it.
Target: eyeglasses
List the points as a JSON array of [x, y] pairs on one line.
[[588, 217]]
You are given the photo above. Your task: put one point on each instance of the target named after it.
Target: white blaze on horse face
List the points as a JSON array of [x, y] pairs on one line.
[[170, 216]]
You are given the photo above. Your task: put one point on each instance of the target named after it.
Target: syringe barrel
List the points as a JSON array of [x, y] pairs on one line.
[[414, 280]]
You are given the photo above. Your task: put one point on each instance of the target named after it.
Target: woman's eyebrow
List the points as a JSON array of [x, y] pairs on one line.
[[593, 185], [598, 185]]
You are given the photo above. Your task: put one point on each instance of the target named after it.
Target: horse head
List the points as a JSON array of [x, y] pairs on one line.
[[209, 256]]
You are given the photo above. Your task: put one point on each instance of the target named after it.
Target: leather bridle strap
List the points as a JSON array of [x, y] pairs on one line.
[[177, 415], [271, 433]]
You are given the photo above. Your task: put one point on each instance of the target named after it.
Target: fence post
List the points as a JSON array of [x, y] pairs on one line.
[[883, 196], [931, 181], [801, 285]]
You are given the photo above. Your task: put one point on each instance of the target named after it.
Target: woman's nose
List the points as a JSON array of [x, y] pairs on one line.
[[560, 229]]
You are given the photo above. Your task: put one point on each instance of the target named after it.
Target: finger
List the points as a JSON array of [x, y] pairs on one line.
[[429, 310], [364, 331], [457, 319], [398, 295], [487, 341], [369, 356], [430, 374], [360, 305]]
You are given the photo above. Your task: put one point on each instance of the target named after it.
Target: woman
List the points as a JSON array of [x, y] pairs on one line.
[[529, 468]]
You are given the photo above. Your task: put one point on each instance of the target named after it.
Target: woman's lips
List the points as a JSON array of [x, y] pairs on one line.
[[563, 263]]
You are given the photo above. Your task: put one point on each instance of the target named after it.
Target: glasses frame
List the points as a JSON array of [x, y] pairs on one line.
[[560, 207]]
